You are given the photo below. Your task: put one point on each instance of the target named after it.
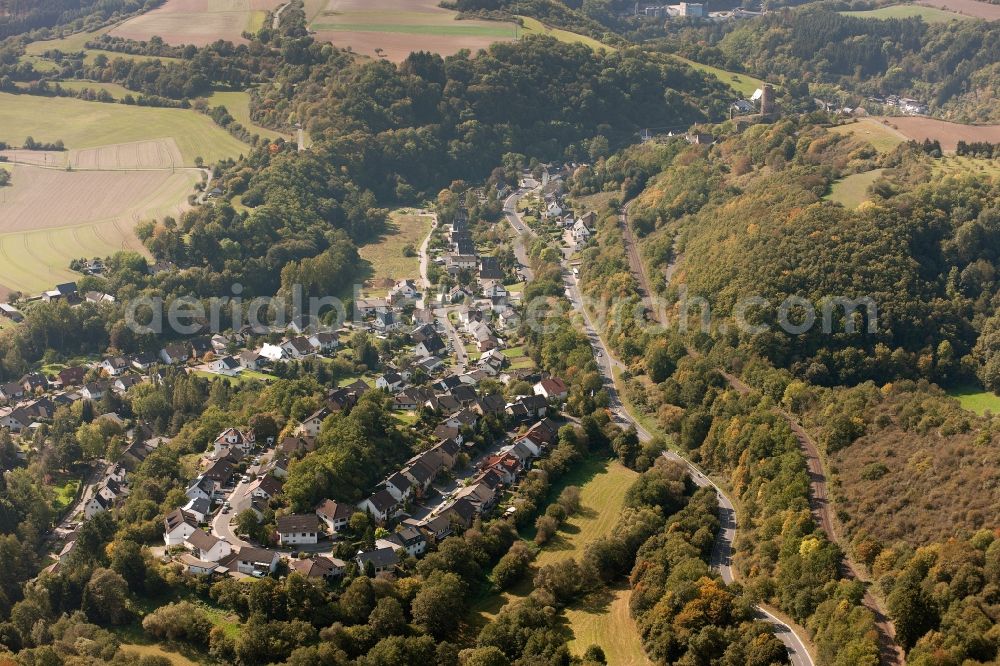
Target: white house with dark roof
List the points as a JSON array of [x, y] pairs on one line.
[[298, 529], [207, 547], [335, 515], [178, 525]]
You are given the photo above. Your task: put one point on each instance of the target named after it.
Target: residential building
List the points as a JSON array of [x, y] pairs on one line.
[[298, 529]]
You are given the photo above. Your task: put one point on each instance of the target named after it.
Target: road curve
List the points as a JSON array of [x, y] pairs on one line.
[[798, 653], [890, 652]]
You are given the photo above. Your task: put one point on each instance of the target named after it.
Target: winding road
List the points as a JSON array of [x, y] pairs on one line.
[[721, 558], [890, 652]]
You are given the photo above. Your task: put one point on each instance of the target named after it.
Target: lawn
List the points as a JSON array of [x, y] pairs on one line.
[[385, 256], [245, 376], [852, 190], [81, 124], [880, 136], [744, 84], [238, 104], [65, 493], [531, 26], [975, 399], [928, 14]]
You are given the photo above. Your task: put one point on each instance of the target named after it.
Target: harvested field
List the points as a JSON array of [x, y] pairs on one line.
[[198, 22], [92, 213], [399, 27], [973, 8], [81, 124], [949, 134], [158, 154]]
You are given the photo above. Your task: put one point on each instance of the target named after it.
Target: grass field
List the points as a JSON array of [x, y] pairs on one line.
[[975, 399], [385, 256], [395, 28], [852, 190], [744, 84], [65, 493], [602, 618], [154, 650], [928, 14], [68, 44], [116, 91], [238, 104], [882, 137], [533, 26], [81, 124]]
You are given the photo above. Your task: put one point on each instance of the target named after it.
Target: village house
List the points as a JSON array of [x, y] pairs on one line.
[[551, 388], [312, 424], [8, 311], [72, 376], [297, 347], [430, 346], [324, 342], [178, 525], [266, 488], [390, 381], [404, 290], [201, 488], [174, 353], [381, 560], [398, 486], [234, 438], [95, 505], [207, 547], [298, 529], [408, 539], [114, 366], [320, 567], [251, 360], [252, 561], [226, 365], [198, 507], [335, 515], [381, 506], [366, 307]]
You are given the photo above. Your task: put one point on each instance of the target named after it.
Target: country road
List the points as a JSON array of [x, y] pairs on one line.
[[521, 229], [791, 638], [891, 653]]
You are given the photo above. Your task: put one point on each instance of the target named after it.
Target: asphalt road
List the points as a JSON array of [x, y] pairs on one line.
[[721, 557], [522, 229]]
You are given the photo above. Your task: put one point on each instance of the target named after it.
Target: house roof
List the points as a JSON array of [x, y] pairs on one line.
[[380, 558], [177, 517], [331, 510], [399, 481], [382, 501], [202, 540], [317, 567], [305, 522]]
